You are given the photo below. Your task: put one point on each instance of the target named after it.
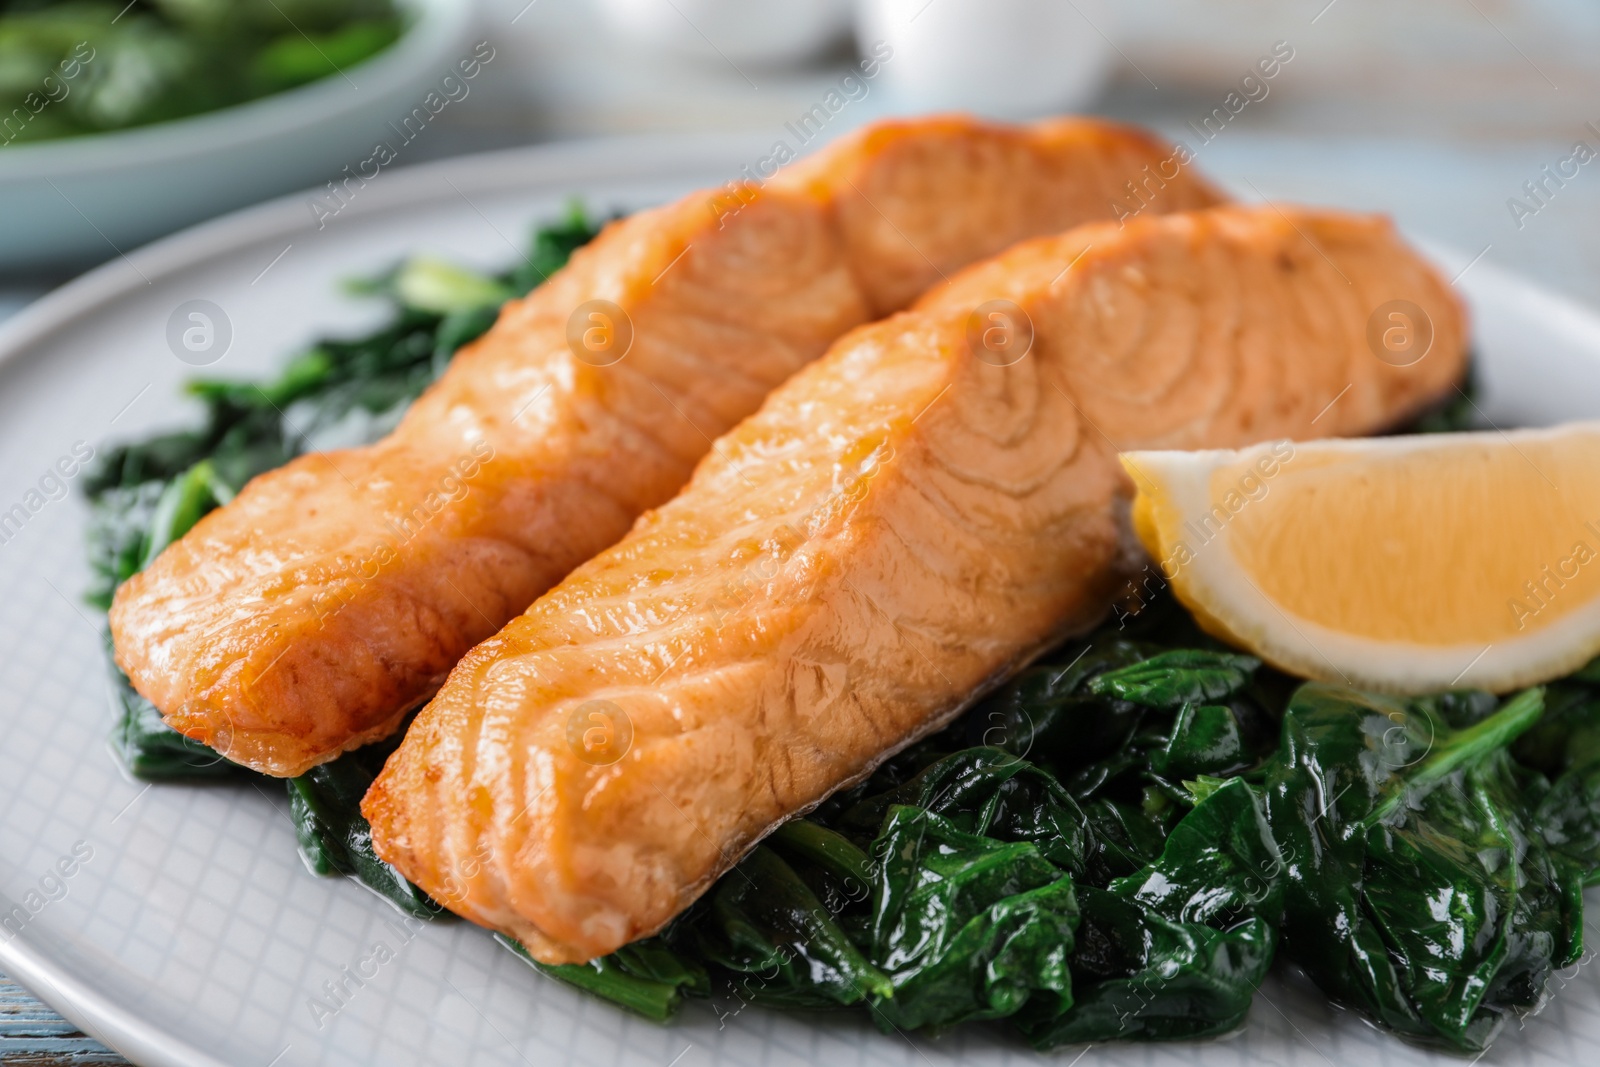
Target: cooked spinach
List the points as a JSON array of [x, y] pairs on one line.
[[1177, 678], [967, 926], [964, 882], [767, 918], [1127, 907], [154, 751], [334, 837], [1564, 746], [1177, 949], [1112, 845], [646, 977], [1420, 887]]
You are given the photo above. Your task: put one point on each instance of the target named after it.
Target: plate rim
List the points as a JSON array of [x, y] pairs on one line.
[[590, 159], [57, 981]]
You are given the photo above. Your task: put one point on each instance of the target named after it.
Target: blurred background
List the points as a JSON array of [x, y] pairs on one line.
[[123, 121], [1471, 121]]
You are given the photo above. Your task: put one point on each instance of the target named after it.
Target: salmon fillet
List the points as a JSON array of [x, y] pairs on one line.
[[903, 524], [331, 596]]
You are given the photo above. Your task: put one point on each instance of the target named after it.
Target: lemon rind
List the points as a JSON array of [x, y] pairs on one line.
[[1175, 486]]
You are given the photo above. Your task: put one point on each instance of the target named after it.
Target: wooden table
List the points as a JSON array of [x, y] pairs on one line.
[[31, 1035]]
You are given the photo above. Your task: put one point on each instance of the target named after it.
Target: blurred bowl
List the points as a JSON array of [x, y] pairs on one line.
[[1003, 58], [759, 32], [70, 202]]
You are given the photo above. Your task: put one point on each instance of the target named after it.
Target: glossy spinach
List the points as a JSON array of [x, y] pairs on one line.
[[963, 882], [645, 977], [1110, 846], [334, 837], [1419, 886]]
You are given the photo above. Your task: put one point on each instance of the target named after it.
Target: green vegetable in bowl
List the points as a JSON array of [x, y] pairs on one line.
[[72, 67]]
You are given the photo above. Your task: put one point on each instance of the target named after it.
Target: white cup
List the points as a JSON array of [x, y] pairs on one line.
[[759, 32], [1006, 58]]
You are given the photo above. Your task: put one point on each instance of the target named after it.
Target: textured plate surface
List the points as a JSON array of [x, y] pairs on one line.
[[192, 935]]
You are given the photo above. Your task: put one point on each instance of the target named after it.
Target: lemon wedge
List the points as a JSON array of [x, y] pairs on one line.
[[1401, 564]]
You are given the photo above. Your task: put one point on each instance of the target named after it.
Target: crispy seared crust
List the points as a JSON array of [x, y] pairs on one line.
[[307, 616], [903, 522]]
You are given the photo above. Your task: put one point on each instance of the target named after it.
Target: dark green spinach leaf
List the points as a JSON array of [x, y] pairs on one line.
[[1177, 949], [645, 977], [1170, 680], [966, 926], [1418, 889]]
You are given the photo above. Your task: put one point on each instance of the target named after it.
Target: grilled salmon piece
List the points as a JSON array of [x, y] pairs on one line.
[[904, 523], [331, 596]]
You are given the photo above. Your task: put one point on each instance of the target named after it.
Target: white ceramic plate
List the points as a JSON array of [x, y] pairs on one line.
[[78, 199], [191, 935]]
